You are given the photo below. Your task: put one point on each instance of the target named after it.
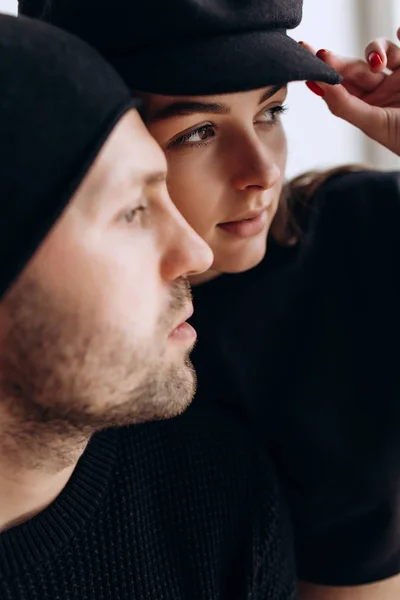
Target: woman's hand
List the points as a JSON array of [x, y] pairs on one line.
[[369, 95]]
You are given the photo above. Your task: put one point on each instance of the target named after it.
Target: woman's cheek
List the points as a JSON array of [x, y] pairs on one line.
[[184, 190]]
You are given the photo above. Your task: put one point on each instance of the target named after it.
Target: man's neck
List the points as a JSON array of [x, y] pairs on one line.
[[32, 476], [26, 494]]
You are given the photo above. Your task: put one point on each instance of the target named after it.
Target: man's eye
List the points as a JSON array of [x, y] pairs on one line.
[[133, 215]]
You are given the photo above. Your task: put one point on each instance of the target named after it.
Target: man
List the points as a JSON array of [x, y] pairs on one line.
[[93, 309], [195, 49]]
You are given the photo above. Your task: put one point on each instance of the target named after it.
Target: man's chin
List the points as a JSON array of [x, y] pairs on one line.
[[179, 389], [163, 398]]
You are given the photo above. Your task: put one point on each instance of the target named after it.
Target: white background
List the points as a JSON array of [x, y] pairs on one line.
[[8, 6], [317, 139]]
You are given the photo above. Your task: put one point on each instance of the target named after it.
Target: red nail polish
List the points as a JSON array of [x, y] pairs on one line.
[[321, 53], [301, 43], [374, 60], [314, 87]]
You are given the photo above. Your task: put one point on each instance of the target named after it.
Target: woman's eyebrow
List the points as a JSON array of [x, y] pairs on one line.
[[190, 107], [187, 107], [271, 91]]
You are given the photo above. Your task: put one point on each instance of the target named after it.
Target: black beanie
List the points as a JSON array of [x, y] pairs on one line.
[[59, 102]]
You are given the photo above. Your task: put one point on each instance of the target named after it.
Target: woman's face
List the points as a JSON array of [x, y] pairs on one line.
[[226, 159]]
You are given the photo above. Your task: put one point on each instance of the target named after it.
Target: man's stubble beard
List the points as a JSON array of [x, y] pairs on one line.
[[65, 376]]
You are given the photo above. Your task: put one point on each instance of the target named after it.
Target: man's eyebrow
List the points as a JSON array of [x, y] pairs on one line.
[[147, 179], [271, 91], [187, 107], [151, 179], [136, 179]]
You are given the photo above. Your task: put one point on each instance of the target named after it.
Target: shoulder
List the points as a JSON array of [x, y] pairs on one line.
[[361, 184], [358, 192], [355, 207]]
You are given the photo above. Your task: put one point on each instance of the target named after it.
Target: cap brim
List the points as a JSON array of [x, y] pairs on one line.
[[221, 64]]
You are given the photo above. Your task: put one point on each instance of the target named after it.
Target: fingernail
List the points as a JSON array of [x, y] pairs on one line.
[[321, 53], [314, 87], [301, 43], [374, 60]]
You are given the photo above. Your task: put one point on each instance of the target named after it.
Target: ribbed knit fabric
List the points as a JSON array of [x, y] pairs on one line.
[[184, 509]]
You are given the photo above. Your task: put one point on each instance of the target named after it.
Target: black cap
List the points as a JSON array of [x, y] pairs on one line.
[[59, 101], [191, 47]]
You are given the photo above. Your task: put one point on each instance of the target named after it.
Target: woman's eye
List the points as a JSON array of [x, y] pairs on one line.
[[199, 135], [196, 136], [271, 115]]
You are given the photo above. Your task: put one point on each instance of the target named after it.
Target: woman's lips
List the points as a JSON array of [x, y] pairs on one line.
[[246, 228]]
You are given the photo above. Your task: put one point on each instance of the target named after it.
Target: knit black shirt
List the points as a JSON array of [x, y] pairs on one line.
[[182, 509], [305, 348]]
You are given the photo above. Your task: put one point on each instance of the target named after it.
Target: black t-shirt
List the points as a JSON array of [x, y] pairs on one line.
[[305, 348], [187, 509]]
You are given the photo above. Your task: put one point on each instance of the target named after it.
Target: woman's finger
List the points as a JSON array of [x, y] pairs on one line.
[[307, 47], [371, 121], [356, 73], [382, 53]]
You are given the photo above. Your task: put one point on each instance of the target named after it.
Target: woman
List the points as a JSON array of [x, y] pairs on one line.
[[304, 345], [301, 342]]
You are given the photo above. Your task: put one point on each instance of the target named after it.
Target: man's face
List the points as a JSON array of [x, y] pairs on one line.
[[89, 334]]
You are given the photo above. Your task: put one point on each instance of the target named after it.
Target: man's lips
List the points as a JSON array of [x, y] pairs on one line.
[[183, 332], [186, 315]]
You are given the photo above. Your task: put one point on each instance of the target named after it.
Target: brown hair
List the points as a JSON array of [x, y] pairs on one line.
[[286, 228]]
